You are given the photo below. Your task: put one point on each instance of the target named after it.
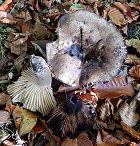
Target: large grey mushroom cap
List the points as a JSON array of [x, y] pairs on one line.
[[33, 88], [102, 49]]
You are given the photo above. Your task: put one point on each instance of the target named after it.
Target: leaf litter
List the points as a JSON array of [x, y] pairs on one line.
[[112, 108]]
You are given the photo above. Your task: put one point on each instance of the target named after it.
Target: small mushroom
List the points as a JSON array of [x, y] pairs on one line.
[[33, 88], [88, 49], [71, 117]]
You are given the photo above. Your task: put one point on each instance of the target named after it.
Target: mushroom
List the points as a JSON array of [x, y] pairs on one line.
[[88, 49], [33, 88], [71, 117]]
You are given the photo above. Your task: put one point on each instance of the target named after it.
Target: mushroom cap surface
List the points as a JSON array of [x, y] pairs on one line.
[[102, 49], [33, 88]]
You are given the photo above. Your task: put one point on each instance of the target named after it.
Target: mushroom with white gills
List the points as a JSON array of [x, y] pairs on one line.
[[88, 49], [33, 88]]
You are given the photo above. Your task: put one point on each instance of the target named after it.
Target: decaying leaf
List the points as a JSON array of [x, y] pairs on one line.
[[134, 72], [116, 16], [130, 130], [5, 117], [81, 140], [29, 120], [24, 120], [132, 59], [6, 5], [106, 110], [5, 17], [3, 136], [4, 98], [33, 88], [17, 42], [106, 139], [135, 43], [128, 113], [17, 116], [117, 87], [40, 30]]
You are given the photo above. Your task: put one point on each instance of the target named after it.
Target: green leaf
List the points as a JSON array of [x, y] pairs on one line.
[[29, 120], [135, 43], [77, 6], [3, 135]]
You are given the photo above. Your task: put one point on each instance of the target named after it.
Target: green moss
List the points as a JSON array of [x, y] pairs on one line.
[[3, 36]]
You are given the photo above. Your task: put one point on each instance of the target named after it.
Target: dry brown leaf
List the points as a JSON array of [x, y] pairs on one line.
[[83, 140], [117, 87], [17, 116], [134, 72], [136, 6], [17, 42], [40, 30], [8, 143], [4, 117], [130, 130], [69, 142], [122, 6], [105, 110], [116, 16], [38, 128], [19, 62], [132, 59], [5, 17], [106, 139], [4, 98], [6, 5], [128, 114]]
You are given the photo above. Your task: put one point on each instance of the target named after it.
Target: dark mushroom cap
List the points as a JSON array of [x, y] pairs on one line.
[[89, 48], [71, 117]]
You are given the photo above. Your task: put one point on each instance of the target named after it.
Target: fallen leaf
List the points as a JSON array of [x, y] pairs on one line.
[[135, 43], [40, 30], [6, 5], [106, 139], [116, 16], [122, 6], [83, 140], [4, 98], [19, 62], [132, 59], [5, 117], [130, 130], [3, 136], [17, 42], [17, 116], [106, 110], [4, 14], [134, 72], [69, 142], [8, 143], [128, 113], [29, 120], [38, 128], [115, 88]]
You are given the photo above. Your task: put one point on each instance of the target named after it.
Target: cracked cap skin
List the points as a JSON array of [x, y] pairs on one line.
[[88, 49]]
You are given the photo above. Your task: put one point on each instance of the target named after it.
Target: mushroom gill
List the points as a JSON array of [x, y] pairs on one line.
[[88, 49], [33, 88], [71, 117]]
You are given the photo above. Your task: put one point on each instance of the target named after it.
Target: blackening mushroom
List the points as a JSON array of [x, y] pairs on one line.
[[88, 49], [33, 88], [71, 117]]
